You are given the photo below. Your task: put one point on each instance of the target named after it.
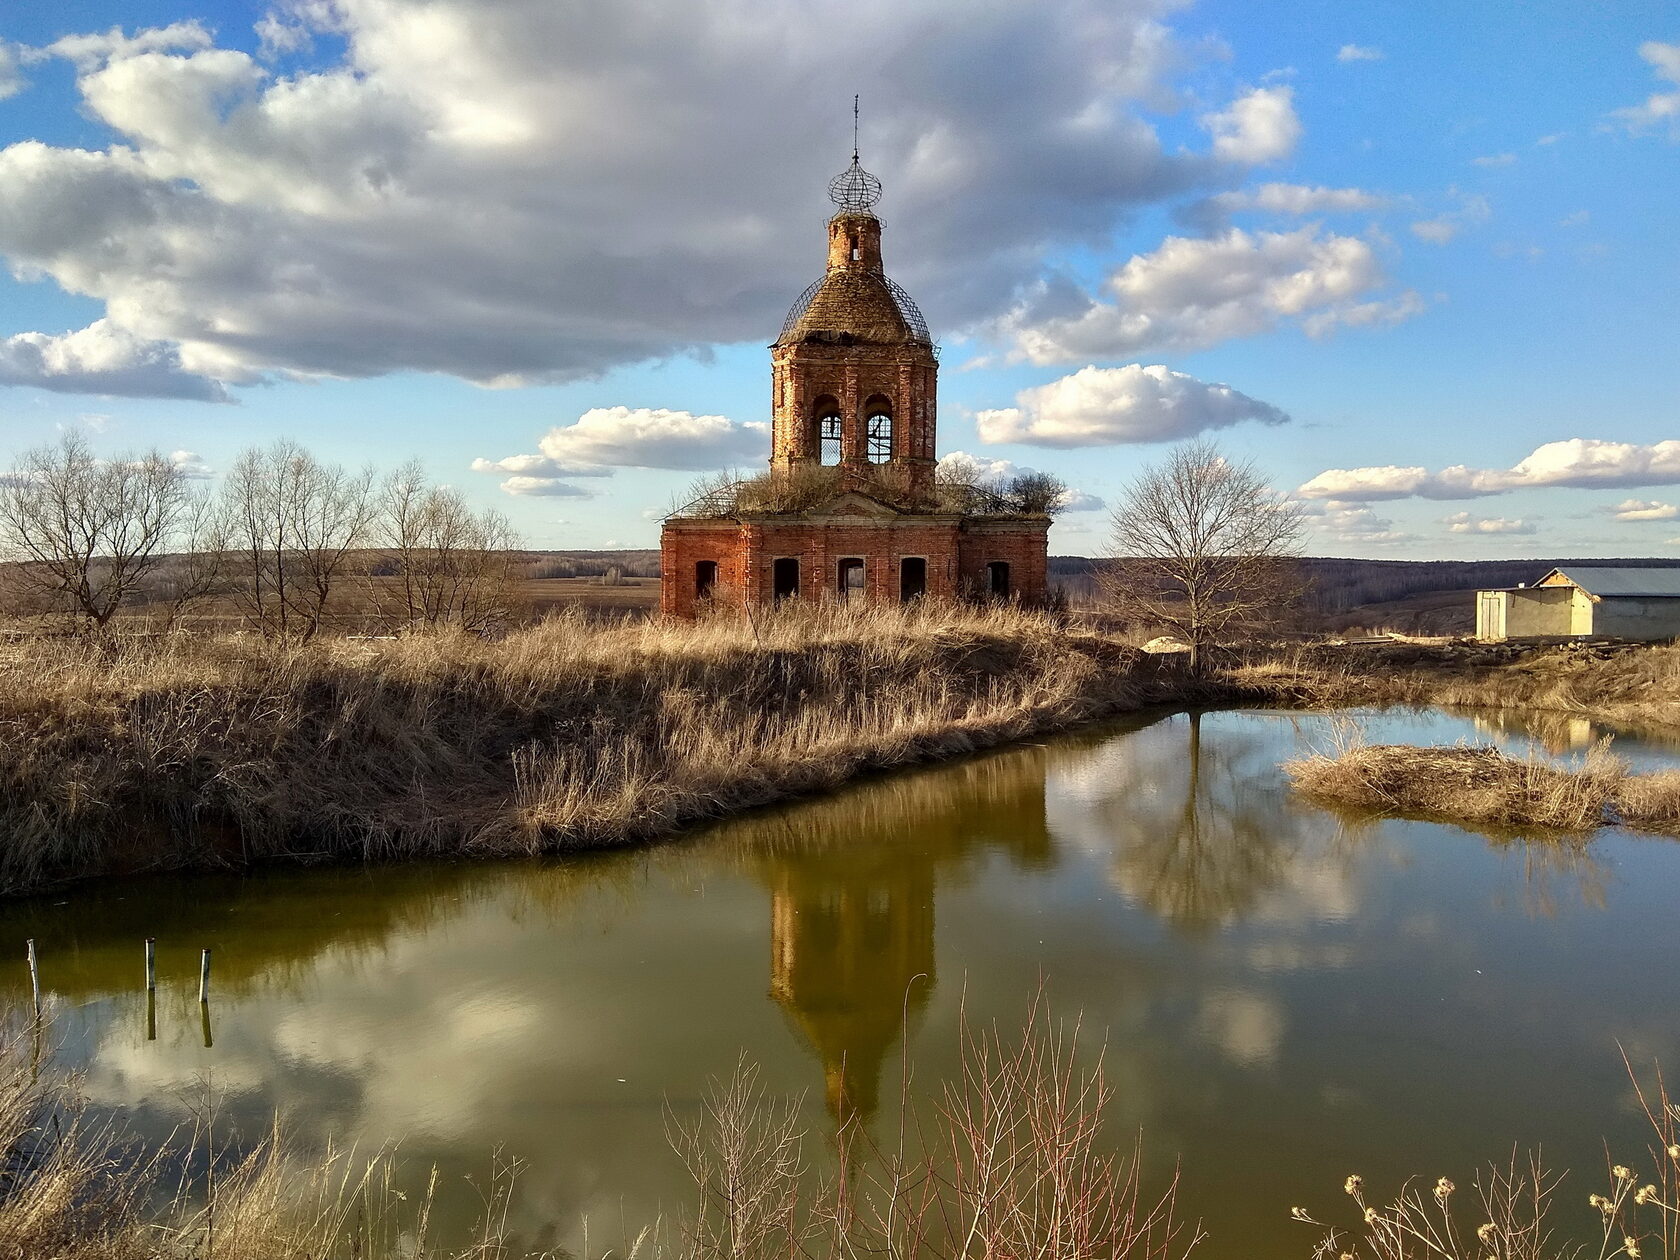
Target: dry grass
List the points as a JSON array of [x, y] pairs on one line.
[[196, 752], [1628, 684], [1479, 784]]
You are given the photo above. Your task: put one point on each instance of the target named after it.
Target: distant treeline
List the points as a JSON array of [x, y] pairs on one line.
[[1337, 585]]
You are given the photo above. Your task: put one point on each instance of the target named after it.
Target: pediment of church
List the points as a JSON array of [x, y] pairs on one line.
[[855, 503]]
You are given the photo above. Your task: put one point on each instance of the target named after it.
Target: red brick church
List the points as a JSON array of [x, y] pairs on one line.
[[850, 508]]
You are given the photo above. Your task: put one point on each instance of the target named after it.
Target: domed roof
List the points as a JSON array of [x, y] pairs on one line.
[[855, 306]]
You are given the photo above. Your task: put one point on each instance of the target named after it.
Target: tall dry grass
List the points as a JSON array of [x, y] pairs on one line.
[[1631, 684], [1479, 784], [196, 751]]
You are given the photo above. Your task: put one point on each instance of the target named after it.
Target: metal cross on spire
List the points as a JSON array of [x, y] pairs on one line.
[[855, 126]]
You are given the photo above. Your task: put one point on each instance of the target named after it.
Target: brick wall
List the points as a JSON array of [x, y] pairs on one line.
[[957, 551]]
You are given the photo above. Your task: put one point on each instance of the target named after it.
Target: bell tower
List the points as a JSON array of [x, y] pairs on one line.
[[854, 374]]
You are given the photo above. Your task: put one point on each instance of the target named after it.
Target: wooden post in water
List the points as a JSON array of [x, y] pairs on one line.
[[151, 1015], [35, 977], [204, 977], [204, 1022], [151, 964]]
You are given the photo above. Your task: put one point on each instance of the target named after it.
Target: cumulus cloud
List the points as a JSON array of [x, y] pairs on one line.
[[1581, 462], [101, 359], [1465, 523], [981, 470], [1660, 108], [1350, 522], [606, 438], [1109, 406], [1192, 293], [544, 487], [484, 188], [192, 465], [1445, 227], [1644, 510], [1358, 52], [1256, 128], [1212, 213], [654, 437], [1495, 160]]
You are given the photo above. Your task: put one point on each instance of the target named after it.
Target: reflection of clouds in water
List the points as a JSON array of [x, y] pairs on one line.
[[1248, 1027]]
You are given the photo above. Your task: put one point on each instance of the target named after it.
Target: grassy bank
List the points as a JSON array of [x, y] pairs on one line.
[[200, 752], [1479, 784], [1623, 683]]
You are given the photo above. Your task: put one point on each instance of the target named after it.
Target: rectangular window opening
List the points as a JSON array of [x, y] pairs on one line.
[[705, 578], [850, 583], [784, 578], [912, 578]]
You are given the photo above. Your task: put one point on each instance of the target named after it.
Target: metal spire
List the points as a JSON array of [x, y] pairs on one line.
[[854, 190]]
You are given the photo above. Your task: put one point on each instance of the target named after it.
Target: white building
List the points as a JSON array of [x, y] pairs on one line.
[[1585, 601]]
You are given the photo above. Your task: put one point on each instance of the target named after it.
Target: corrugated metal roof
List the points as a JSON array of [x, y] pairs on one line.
[[1653, 583]]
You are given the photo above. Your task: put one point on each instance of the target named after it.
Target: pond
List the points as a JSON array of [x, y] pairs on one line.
[[1286, 995]]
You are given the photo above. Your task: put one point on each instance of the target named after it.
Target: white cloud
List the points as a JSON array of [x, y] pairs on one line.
[[1465, 523], [1192, 293], [1358, 52], [1577, 219], [1109, 406], [1213, 213], [544, 487], [1444, 227], [11, 80], [101, 359], [607, 438], [1352, 522], [492, 189], [1257, 128], [90, 51], [1581, 462], [1644, 510], [1660, 108], [654, 437], [192, 465], [981, 470], [1495, 160]]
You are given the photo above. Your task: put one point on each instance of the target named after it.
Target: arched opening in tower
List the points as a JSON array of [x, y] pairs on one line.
[[878, 428], [825, 415]]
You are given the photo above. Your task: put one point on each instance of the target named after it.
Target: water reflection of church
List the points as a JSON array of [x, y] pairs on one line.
[[852, 883]]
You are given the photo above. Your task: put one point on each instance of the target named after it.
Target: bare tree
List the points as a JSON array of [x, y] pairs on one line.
[[452, 566], [1205, 545], [292, 524], [87, 533]]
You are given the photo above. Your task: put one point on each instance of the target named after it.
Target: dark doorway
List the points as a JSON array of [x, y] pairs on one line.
[[851, 578], [705, 579], [997, 579], [784, 578], [912, 578]]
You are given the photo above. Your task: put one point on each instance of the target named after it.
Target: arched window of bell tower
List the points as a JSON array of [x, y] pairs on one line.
[[878, 428], [825, 419]]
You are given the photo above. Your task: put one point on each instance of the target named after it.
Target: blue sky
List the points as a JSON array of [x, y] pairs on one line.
[[1417, 261]]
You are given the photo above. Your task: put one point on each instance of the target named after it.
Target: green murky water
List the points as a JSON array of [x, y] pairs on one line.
[[1287, 996]]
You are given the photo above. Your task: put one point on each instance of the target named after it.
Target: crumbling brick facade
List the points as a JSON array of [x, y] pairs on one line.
[[854, 380]]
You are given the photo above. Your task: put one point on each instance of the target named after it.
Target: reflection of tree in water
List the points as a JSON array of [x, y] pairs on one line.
[[1200, 833], [852, 883]]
